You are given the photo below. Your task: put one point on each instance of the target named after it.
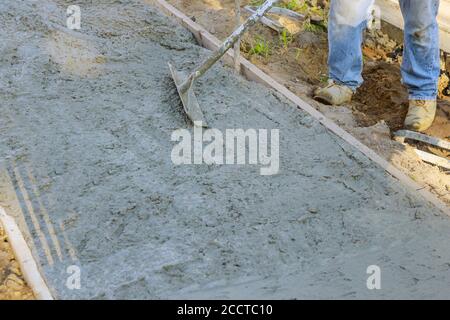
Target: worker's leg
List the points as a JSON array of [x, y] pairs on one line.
[[347, 21], [420, 68]]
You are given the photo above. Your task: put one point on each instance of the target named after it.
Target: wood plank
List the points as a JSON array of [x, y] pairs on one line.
[[251, 72], [24, 257], [274, 25], [433, 159]]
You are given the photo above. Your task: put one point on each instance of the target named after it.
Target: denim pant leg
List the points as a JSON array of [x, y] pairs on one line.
[[421, 67], [345, 36]]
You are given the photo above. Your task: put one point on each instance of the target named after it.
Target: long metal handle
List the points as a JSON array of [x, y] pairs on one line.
[[226, 45], [237, 45]]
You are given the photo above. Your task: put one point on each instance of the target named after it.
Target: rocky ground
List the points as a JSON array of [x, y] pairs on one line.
[[12, 283]]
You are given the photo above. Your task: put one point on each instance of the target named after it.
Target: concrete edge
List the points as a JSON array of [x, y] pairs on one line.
[[252, 72], [24, 257]]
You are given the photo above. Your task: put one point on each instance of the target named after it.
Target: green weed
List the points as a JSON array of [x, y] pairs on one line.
[[260, 47], [285, 38], [316, 28]]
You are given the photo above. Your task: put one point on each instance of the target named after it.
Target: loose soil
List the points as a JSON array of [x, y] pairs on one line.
[[12, 283]]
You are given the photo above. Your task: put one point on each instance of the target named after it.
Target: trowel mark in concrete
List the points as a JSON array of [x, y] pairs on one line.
[[99, 147]]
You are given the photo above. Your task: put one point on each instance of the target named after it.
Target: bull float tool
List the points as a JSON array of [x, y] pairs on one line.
[[184, 84]]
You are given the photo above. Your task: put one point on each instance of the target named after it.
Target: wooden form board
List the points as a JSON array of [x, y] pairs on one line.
[[390, 12], [23, 255], [251, 72]]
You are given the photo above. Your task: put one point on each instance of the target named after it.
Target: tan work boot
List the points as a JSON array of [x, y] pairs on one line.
[[420, 115], [334, 94]]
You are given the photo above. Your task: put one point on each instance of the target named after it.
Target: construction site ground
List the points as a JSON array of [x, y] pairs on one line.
[[86, 171], [299, 62]]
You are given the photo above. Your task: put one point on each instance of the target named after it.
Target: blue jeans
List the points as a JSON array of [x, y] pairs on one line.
[[421, 56]]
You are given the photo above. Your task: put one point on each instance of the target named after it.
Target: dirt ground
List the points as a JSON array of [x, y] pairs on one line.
[[378, 108], [12, 283], [85, 146]]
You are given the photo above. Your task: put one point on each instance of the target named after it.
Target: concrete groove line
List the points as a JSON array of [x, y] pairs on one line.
[[43, 212], [59, 228], [49, 207], [22, 217], [69, 247], [29, 208]]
